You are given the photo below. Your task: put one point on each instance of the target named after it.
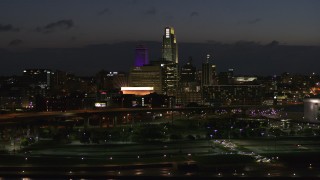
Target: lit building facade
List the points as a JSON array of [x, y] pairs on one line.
[[170, 62], [141, 56], [312, 110], [146, 76], [169, 46], [140, 91]]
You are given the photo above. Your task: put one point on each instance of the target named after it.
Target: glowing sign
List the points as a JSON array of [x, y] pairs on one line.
[[245, 79], [136, 88], [100, 104]]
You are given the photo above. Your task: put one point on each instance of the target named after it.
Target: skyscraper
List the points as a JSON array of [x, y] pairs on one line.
[[170, 62], [208, 77], [188, 72], [141, 56], [208, 73], [189, 88], [169, 46]]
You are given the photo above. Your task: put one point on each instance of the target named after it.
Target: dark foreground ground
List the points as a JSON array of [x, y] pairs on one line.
[[241, 158]]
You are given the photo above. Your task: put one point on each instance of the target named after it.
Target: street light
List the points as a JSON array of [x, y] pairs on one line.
[[229, 132], [241, 131]]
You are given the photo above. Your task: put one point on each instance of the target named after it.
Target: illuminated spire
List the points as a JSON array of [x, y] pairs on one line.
[[208, 57]]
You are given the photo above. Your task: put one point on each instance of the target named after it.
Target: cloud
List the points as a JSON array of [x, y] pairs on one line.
[[243, 43], [15, 42], [104, 11], [64, 24], [151, 11], [194, 13], [255, 21], [8, 28], [273, 43], [214, 42]]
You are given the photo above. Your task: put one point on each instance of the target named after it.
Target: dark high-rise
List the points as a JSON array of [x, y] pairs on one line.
[[170, 62], [188, 72], [208, 73], [189, 88]]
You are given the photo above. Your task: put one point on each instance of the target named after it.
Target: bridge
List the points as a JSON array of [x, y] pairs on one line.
[[86, 113]]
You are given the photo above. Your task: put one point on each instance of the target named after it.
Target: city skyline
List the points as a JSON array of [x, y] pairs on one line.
[[246, 58], [85, 39], [150, 89]]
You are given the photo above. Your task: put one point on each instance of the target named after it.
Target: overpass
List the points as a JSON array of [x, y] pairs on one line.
[[84, 112], [25, 116]]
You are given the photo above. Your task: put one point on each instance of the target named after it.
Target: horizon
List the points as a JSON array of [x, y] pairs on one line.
[[225, 55]]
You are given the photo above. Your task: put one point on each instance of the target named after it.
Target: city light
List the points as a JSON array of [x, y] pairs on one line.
[[201, 116]]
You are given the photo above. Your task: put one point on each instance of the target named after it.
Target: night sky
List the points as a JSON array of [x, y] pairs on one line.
[[80, 36]]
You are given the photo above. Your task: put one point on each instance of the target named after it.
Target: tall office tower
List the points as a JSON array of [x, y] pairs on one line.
[[208, 73], [208, 77], [169, 46], [141, 56], [188, 72], [170, 62], [188, 85], [214, 75]]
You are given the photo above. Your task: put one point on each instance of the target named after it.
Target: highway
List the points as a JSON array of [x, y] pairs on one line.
[[92, 111], [116, 110]]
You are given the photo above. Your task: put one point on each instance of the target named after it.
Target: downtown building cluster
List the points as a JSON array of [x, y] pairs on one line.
[[156, 83]]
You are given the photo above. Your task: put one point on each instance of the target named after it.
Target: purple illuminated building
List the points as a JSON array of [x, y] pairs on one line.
[[141, 56]]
